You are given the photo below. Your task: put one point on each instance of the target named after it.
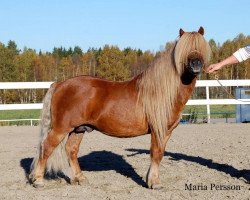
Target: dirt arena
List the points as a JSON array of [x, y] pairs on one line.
[[201, 162]]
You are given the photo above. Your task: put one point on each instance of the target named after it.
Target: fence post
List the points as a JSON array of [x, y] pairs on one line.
[[208, 105]]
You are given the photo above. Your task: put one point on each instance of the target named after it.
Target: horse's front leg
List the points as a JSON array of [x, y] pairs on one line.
[[156, 154]]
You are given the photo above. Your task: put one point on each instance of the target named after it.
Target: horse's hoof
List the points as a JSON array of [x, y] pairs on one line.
[[79, 181], [157, 186], [38, 184], [84, 181]]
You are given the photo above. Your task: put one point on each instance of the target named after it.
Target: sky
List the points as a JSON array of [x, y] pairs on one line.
[[141, 24]]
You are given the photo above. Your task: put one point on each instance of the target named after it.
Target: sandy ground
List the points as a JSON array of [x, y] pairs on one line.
[[201, 155]]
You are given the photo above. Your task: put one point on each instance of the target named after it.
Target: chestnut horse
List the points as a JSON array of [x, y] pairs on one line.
[[151, 102]]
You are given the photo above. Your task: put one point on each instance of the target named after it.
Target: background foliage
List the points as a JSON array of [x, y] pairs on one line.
[[109, 62]]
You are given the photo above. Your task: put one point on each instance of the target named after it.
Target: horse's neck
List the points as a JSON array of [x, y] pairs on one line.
[[187, 85], [186, 91]]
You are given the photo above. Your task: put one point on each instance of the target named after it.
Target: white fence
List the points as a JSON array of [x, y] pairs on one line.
[[201, 83], [31, 121]]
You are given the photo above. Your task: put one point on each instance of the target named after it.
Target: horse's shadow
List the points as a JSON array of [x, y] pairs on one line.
[[225, 168], [25, 163], [107, 160], [97, 161]]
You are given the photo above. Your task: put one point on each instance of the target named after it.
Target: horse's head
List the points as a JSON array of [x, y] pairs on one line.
[[192, 52], [195, 63]]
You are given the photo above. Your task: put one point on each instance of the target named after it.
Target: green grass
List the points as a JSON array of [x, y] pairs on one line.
[[217, 111], [213, 109], [19, 114]]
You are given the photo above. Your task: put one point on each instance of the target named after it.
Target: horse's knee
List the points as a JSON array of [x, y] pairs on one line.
[[156, 155]]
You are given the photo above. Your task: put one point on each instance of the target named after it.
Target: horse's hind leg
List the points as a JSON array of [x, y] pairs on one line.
[[72, 148], [46, 149]]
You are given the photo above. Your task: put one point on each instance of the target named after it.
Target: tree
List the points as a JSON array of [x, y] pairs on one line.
[[64, 70], [89, 63], [7, 70], [131, 59], [13, 47], [144, 61], [25, 65], [77, 50], [111, 64], [7, 64]]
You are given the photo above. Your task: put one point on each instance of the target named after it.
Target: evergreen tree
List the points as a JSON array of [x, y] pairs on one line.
[[77, 50]]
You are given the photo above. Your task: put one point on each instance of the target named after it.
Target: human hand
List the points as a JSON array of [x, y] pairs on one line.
[[213, 68]]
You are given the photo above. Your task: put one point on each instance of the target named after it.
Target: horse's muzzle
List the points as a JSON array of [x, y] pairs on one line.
[[195, 66]]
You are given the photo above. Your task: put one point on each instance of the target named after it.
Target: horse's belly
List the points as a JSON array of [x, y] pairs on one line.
[[122, 124], [123, 132]]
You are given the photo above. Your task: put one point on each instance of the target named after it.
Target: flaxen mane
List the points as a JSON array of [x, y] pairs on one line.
[[159, 84]]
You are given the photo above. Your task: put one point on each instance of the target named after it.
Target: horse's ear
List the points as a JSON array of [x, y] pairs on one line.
[[181, 32], [201, 30]]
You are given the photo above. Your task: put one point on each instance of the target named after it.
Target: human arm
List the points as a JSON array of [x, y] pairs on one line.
[[228, 61], [241, 55]]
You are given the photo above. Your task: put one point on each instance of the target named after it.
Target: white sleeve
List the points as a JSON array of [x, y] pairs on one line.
[[243, 53]]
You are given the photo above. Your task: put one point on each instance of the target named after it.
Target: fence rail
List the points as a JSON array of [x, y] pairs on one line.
[[17, 120], [200, 83]]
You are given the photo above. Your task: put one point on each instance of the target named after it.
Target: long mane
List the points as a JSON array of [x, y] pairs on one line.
[[158, 85]]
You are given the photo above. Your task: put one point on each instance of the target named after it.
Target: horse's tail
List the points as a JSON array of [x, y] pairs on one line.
[[58, 159]]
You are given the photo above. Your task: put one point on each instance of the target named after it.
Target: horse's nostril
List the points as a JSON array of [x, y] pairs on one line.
[[191, 62], [196, 62]]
